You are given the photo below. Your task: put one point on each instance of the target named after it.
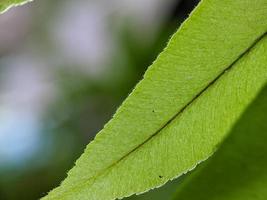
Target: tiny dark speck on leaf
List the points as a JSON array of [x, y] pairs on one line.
[[160, 176]]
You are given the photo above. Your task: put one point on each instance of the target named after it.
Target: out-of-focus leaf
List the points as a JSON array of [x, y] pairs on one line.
[[6, 4], [184, 107], [238, 171]]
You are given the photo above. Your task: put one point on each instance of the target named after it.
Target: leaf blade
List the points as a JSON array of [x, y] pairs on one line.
[[140, 164], [186, 76], [7, 4], [238, 170]]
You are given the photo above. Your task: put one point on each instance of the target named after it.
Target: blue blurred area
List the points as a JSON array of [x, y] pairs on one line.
[[14, 129], [65, 67]]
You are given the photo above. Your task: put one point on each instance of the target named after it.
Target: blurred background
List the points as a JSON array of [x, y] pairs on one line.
[[65, 66]]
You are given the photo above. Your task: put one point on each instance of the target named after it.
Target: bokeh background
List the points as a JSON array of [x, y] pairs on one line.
[[65, 66]]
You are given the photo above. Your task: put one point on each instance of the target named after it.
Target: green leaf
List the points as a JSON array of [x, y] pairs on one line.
[[6, 4], [238, 171], [184, 107]]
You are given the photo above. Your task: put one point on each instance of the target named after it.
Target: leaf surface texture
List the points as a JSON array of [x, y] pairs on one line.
[[188, 101], [238, 171]]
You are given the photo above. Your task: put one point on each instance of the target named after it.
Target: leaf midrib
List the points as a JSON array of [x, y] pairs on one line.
[[257, 40]]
